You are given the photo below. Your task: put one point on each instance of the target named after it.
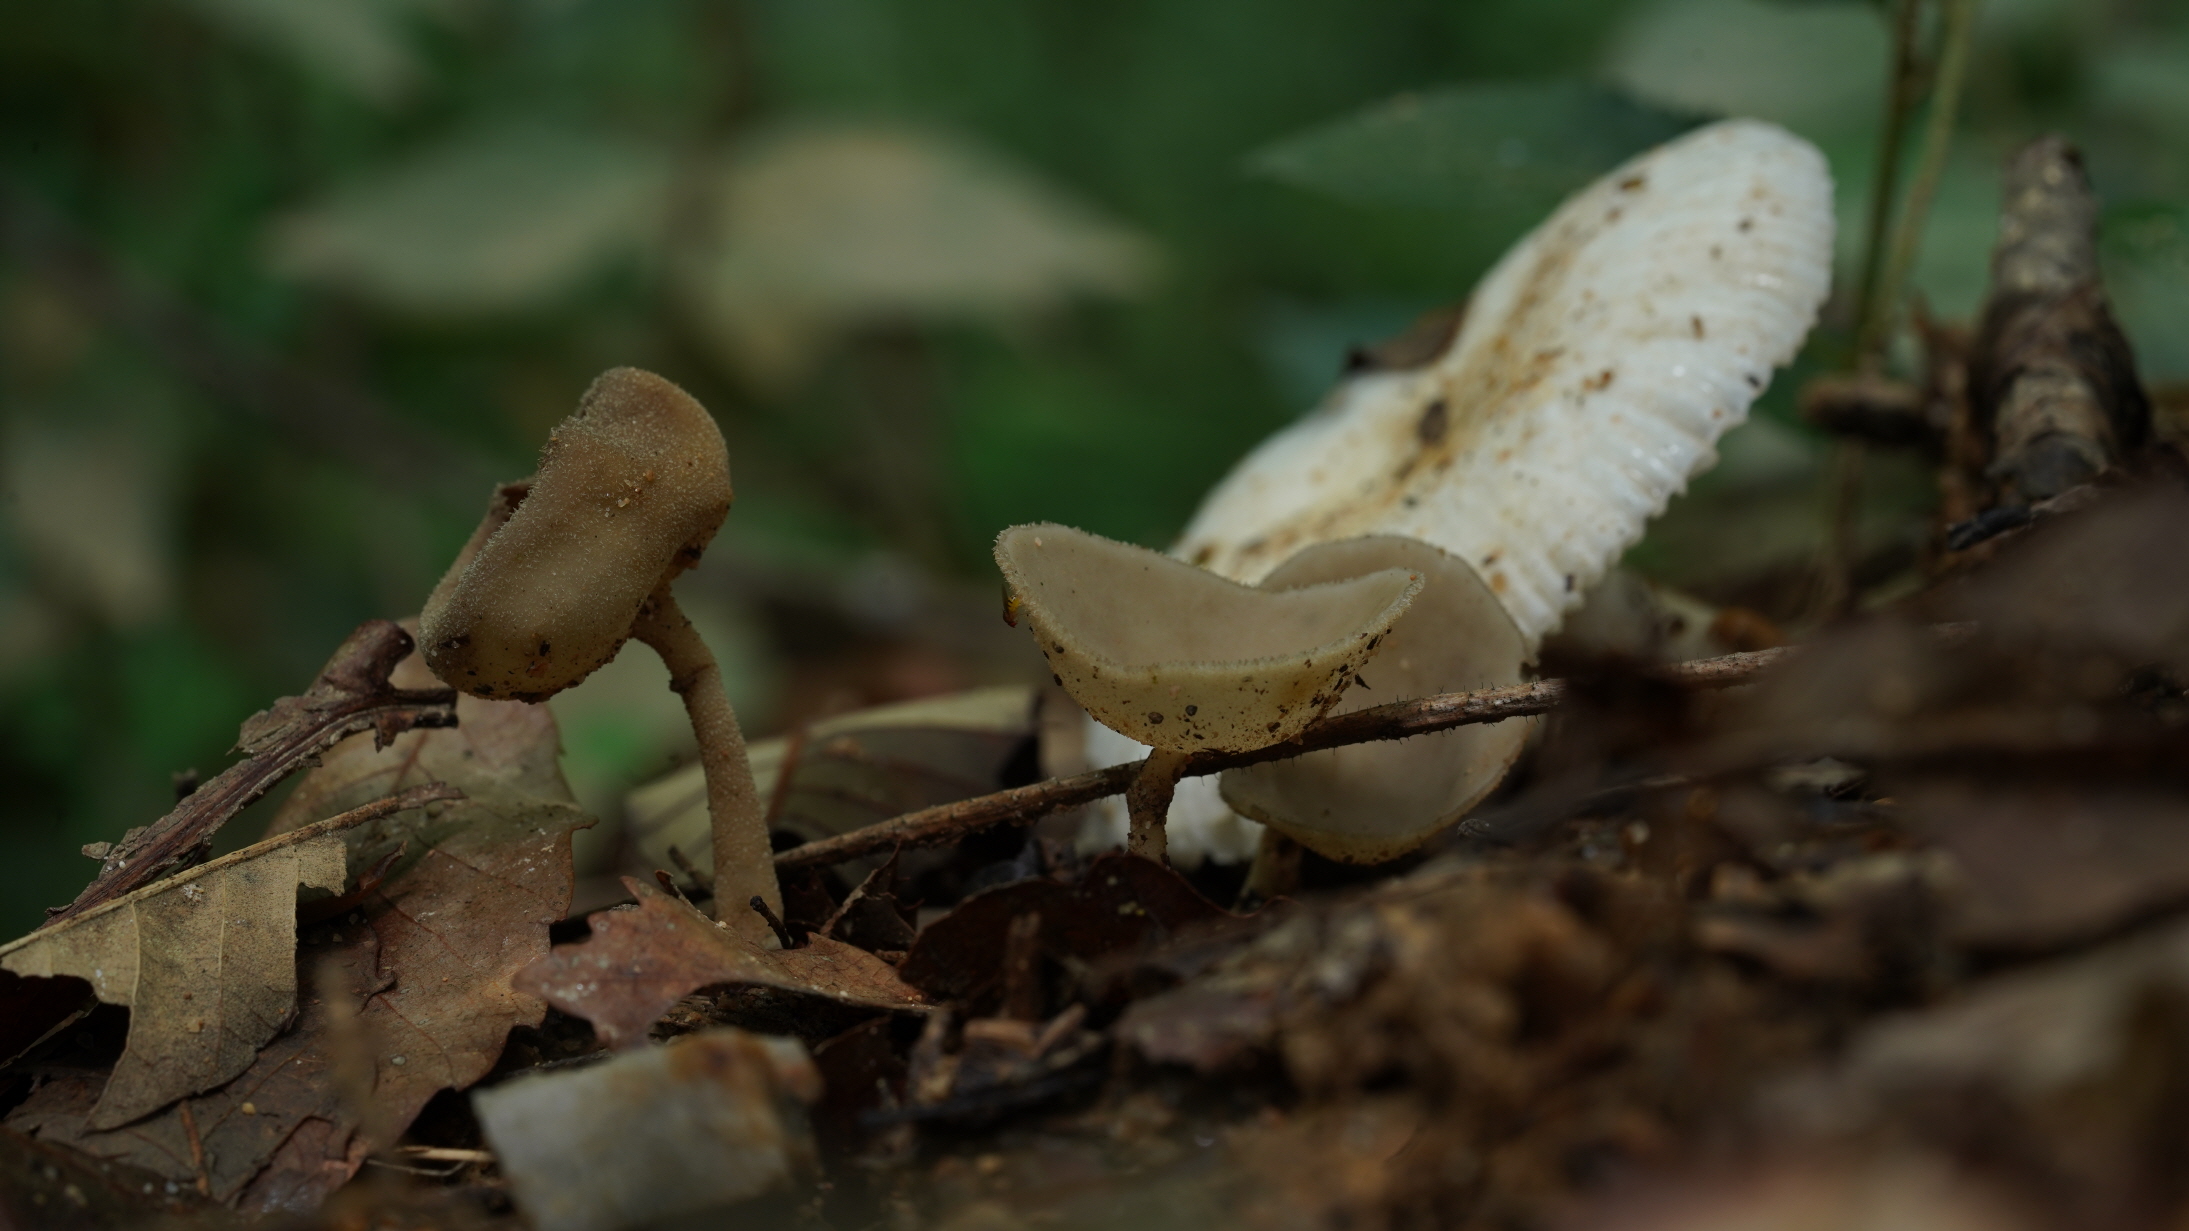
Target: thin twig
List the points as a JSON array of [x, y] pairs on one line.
[[446, 1154], [1398, 720], [1953, 59]]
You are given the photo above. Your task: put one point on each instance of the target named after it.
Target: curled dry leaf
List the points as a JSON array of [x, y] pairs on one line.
[[422, 964], [641, 959]]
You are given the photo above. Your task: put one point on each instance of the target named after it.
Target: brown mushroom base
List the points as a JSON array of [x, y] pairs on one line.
[[1148, 800], [744, 864]]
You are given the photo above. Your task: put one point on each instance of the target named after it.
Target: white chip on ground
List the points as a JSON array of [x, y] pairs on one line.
[[704, 1121]]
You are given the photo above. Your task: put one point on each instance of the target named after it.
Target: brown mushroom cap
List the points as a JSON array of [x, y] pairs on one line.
[[1366, 803], [1181, 659], [631, 488]]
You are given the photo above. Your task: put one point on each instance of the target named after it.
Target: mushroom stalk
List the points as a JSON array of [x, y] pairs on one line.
[[1275, 872], [743, 863], [1149, 802]]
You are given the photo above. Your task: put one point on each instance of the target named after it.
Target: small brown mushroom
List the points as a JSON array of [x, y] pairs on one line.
[[1186, 661], [631, 488]]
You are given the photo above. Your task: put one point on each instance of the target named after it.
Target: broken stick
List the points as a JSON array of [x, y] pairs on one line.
[[2052, 377], [1398, 720]]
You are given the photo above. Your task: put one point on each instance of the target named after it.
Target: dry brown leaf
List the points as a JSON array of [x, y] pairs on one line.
[[640, 960], [424, 968], [205, 961]]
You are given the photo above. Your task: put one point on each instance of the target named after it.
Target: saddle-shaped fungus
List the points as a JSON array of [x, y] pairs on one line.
[[631, 488], [1183, 660], [1366, 803]]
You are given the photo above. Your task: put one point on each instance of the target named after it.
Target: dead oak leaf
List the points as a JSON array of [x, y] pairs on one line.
[[642, 958], [285, 1107], [205, 961], [465, 904]]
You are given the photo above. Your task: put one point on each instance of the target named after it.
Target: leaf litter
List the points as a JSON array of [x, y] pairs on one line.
[[413, 983]]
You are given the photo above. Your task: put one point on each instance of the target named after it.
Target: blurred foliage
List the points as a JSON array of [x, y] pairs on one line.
[[285, 284]]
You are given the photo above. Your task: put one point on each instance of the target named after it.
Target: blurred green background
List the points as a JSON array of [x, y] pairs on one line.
[[287, 284]]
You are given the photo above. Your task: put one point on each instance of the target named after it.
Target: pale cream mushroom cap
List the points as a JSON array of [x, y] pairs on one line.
[[1366, 803], [1598, 364], [1181, 659], [631, 488]]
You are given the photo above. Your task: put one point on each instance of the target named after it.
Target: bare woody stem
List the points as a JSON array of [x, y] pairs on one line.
[[743, 869], [1398, 720]]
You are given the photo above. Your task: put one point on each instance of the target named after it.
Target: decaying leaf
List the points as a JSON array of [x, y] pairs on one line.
[[1122, 903], [205, 961], [641, 959], [278, 1137], [44, 1186], [423, 964]]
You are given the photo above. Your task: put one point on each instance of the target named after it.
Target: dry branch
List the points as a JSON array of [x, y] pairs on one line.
[[1398, 720], [352, 694], [2053, 376]]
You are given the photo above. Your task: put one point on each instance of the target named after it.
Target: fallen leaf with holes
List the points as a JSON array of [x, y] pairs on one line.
[[422, 998], [641, 959]]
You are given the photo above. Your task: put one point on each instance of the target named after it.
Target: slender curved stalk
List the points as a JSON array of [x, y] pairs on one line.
[[1900, 95], [1953, 63], [744, 867], [1148, 801]]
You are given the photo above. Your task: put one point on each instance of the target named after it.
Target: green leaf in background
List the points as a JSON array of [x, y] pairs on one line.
[[1507, 146], [2145, 248], [359, 43], [498, 218], [1818, 69], [825, 227], [91, 511]]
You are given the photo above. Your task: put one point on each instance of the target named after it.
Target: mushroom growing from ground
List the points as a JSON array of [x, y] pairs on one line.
[[1591, 375], [1365, 803], [631, 488], [1186, 661]]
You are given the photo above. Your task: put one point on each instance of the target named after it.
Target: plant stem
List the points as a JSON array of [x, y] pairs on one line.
[[1953, 60], [1900, 96], [743, 868]]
